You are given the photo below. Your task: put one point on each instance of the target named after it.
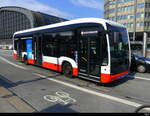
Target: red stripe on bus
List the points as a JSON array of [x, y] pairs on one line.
[[22, 59], [31, 61], [51, 66], [15, 56], [57, 67], [75, 71], [118, 75], [107, 78]]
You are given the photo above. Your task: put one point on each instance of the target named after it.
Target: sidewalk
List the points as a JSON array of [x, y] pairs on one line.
[[10, 103]]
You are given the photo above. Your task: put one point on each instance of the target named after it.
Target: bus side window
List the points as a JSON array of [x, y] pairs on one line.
[[67, 44], [59, 44], [23, 45], [48, 45], [15, 44]]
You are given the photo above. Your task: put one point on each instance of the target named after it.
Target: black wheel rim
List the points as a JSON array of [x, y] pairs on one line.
[[67, 71], [25, 61]]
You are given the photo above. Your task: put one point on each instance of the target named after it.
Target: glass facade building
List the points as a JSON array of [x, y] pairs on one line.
[[134, 14], [14, 19]]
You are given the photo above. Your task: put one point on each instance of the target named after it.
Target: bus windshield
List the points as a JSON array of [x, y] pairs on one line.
[[119, 49]]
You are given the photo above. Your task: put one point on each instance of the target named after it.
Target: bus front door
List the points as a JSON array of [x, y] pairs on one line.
[[19, 52], [37, 50], [89, 56]]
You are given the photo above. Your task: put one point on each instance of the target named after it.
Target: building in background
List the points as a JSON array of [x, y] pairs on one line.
[[135, 15], [14, 19]]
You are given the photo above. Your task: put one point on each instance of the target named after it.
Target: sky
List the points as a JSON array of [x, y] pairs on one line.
[[68, 9]]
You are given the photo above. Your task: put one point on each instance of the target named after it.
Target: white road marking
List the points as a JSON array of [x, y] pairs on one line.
[[142, 78], [51, 98], [39, 75], [61, 97], [7, 61], [116, 99]]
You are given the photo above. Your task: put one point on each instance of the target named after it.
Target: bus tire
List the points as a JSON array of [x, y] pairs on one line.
[[141, 68], [25, 60], [67, 70]]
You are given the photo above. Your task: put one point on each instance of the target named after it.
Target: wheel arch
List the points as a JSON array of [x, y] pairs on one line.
[[74, 65], [24, 54], [69, 60]]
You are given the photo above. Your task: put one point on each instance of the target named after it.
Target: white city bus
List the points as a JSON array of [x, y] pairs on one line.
[[90, 48]]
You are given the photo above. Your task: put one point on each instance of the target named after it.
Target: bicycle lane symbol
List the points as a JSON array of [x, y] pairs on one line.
[[61, 97]]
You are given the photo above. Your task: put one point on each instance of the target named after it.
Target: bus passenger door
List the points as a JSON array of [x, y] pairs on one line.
[[89, 54], [19, 52], [37, 49]]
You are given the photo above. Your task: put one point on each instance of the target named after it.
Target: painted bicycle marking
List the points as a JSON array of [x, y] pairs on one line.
[[61, 97]]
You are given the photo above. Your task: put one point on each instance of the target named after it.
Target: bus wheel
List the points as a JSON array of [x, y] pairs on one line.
[[25, 60], [67, 70]]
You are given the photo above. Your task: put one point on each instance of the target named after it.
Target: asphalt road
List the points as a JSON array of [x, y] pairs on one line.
[[48, 91]]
